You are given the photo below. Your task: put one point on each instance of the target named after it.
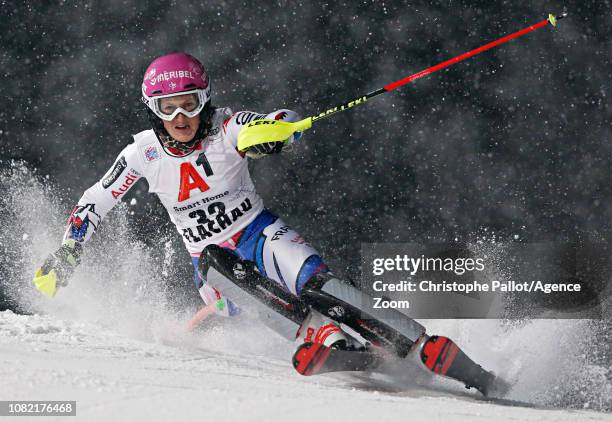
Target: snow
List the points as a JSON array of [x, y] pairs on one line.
[[203, 376], [114, 341]]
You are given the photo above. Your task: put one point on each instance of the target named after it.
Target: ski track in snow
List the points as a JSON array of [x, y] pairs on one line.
[[113, 376]]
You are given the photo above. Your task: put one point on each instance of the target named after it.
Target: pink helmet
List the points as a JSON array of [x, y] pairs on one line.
[[176, 74]]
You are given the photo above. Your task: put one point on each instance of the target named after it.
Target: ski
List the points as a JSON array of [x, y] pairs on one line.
[[340, 301], [270, 293], [314, 358]]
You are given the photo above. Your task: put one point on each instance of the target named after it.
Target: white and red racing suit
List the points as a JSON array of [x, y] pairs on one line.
[[211, 199], [208, 194]]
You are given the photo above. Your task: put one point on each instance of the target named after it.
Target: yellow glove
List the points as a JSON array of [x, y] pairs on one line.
[[46, 283], [58, 268]]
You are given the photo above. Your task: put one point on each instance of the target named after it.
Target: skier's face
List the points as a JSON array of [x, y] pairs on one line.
[[181, 128]]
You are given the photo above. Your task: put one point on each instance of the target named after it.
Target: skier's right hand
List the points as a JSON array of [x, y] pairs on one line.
[[58, 268]]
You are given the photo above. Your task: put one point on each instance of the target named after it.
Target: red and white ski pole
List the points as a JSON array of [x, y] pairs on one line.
[[260, 131]]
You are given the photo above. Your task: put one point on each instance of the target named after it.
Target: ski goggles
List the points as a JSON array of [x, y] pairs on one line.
[[169, 109]]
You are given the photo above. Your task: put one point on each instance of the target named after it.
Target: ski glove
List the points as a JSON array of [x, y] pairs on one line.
[[58, 268], [259, 150], [268, 148]]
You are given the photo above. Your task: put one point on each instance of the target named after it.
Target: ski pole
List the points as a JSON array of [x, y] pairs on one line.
[[262, 131]]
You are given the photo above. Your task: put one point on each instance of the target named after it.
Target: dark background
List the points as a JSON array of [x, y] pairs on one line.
[[511, 145]]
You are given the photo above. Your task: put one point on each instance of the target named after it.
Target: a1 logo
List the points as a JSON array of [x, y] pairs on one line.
[[190, 180]]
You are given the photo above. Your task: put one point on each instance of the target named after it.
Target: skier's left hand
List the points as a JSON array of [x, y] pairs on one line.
[[259, 150], [268, 148]]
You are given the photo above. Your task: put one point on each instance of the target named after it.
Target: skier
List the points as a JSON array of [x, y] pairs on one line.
[[190, 160]]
